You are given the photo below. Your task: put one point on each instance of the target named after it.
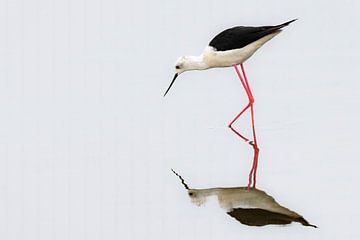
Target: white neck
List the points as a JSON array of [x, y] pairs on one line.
[[195, 63]]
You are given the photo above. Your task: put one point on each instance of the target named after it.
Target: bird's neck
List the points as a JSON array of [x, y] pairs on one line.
[[196, 63]]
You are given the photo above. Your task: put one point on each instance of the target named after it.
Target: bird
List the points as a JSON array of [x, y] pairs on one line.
[[252, 208], [230, 48]]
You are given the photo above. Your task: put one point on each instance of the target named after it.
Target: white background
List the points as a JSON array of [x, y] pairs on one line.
[[87, 140]]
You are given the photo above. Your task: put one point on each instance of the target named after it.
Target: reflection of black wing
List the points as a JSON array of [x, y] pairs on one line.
[[304, 222], [261, 217], [239, 37]]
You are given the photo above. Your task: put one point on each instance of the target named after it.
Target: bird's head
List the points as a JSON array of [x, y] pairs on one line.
[[197, 196], [187, 63], [181, 65]]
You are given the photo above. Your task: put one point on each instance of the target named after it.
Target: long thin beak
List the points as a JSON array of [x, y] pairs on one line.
[[172, 82]]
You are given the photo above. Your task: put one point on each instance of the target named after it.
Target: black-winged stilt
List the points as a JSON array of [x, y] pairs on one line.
[[250, 207], [233, 47]]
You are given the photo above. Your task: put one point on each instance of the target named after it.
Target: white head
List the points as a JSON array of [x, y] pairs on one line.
[[187, 63], [182, 65]]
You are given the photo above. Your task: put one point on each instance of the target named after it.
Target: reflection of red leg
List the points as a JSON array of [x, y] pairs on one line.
[[244, 82]]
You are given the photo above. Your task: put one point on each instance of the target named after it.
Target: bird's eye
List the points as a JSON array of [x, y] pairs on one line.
[[177, 67], [190, 194]]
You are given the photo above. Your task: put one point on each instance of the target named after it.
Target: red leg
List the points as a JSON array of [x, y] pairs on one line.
[[244, 82], [256, 149], [255, 146], [251, 100], [236, 132]]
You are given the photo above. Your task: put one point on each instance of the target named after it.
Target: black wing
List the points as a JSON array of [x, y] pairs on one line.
[[239, 37], [261, 217]]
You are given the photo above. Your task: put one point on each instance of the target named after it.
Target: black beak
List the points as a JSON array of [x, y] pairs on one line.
[[172, 82]]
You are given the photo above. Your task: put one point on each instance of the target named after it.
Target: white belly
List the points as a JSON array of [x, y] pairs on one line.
[[228, 58]]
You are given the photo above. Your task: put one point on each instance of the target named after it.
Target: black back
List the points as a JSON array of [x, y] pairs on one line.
[[239, 37]]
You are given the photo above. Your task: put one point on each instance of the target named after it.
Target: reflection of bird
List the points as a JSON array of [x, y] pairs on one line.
[[230, 48], [253, 208]]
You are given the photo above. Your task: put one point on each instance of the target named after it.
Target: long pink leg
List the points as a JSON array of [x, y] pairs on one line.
[[255, 146], [244, 82]]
